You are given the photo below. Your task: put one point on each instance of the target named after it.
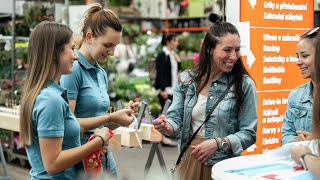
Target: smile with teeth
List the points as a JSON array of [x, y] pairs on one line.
[[302, 69], [229, 64]]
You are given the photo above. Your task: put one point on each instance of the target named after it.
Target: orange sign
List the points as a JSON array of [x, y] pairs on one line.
[[275, 29]]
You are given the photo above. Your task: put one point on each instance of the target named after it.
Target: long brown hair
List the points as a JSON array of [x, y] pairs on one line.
[[46, 42], [316, 103], [203, 69], [97, 20]]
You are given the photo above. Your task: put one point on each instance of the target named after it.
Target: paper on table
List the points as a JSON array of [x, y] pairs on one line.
[[281, 166]]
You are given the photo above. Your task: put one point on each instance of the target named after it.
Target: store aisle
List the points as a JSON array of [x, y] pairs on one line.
[[132, 161]]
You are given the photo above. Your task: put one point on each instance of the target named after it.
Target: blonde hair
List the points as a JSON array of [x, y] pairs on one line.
[[97, 20], [46, 42]]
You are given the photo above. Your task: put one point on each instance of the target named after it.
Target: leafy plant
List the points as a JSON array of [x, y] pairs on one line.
[[129, 88], [186, 64], [190, 41], [131, 30], [34, 14], [119, 2]]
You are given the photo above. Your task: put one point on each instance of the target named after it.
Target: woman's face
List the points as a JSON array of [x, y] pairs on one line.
[[306, 55], [226, 53], [67, 57], [173, 44], [103, 46]]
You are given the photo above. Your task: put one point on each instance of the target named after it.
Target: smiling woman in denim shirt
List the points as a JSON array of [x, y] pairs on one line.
[[302, 154], [231, 127], [297, 122]]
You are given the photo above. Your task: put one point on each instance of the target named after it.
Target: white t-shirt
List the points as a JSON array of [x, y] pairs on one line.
[[199, 114]]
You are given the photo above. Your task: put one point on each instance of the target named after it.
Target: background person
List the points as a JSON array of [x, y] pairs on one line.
[[88, 84], [48, 129], [168, 66], [297, 121], [232, 125]]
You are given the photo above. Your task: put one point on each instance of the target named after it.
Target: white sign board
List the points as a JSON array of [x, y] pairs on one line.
[[76, 15], [6, 7]]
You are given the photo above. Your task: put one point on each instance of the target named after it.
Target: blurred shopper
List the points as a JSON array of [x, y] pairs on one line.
[[219, 133], [297, 122], [168, 66], [48, 128], [88, 84], [124, 56], [302, 154]]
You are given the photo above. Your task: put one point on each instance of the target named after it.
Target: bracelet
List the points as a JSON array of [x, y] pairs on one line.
[[303, 161], [217, 140], [101, 139]]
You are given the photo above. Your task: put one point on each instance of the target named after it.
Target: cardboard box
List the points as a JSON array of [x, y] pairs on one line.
[[149, 133], [128, 137]]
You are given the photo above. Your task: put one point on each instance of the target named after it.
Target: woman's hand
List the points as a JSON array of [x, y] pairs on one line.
[[104, 133], [122, 117], [204, 150], [303, 135], [134, 106], [162, 125], [297, 151]]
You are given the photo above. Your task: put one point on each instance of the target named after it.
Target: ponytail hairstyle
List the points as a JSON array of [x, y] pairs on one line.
[[97, 20], [46, 43], [203, 70]]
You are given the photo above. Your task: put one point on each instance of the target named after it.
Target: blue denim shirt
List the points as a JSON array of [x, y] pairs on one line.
[[240, 130], [299, 113]]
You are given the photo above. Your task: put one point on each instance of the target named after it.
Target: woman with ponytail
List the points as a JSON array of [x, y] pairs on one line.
[[217, 133], [88, 84]]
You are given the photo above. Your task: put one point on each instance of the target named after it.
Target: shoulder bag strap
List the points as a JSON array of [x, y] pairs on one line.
[[206, 120]]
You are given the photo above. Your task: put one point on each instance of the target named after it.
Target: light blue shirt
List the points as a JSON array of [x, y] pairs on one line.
[[223, 122], [52, 118], [299, 113], [88, 85]]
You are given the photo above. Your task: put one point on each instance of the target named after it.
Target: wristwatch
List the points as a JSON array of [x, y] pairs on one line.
[[224, 144], [302, 160]]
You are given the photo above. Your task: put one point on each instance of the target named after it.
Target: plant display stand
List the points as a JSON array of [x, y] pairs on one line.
[[156, 148], [9, 120], [4, 164]]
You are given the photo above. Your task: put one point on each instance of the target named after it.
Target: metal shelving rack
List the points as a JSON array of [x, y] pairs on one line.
[[11, 154]]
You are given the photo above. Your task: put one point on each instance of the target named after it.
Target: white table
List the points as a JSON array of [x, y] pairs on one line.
[[281, 160], [236, 163]]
